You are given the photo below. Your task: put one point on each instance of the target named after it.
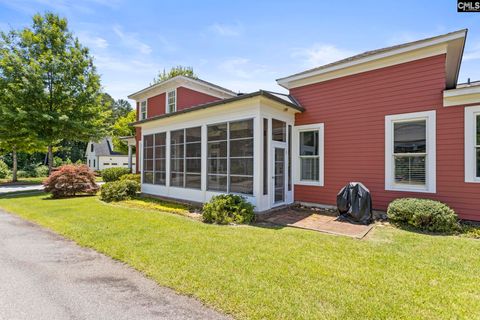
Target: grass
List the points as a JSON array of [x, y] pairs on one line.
[[23, 181], [276, 273]]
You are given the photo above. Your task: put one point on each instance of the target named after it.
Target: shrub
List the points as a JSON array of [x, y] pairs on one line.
[[41, 171], [114, 174], [131, 177], [228, 208], [29, 170], [119, 190], [4, 171], [70, 180], [423, 214], [22, 174]]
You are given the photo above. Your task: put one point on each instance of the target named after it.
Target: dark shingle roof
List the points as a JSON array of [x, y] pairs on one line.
[[103, 148]]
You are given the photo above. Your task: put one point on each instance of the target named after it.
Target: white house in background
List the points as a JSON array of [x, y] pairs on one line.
[[100, 155]]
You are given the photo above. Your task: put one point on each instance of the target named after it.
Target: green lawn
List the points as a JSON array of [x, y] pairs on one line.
[[276, 273]]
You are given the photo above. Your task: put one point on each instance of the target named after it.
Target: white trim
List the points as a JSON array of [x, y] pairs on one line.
[[296, 167], [470, 134], [182, 81], [430, 183], [461, 96], [167, 104], [140, 116]]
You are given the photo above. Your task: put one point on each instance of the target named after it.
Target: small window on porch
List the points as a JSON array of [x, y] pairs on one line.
[[279, 130]]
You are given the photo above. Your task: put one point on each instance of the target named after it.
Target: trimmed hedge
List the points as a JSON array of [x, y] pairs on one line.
[[70, 180], [423, 214], [114, 174], [228, 208], [119, 190]]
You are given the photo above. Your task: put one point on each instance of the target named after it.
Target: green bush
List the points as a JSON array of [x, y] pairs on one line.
[[41, 171], [423, 214], [114, 174], [131, 177], [22, 174], [228, 208], [4, 171], [119, 190]]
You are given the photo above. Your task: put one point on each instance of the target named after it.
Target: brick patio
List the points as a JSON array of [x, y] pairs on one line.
[[321, 220]]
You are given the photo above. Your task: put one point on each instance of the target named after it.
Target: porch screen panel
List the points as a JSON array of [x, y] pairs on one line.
[[241, 156], [410, 152], [217, 157], [289, 173], [159, 151], [148, 159], [265, 156], [193, 157], [177, 158]]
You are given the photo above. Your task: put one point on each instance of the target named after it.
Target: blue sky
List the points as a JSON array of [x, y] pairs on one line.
[[242, 45]]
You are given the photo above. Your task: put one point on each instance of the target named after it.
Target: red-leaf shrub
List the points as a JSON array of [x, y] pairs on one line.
[[70, 180]]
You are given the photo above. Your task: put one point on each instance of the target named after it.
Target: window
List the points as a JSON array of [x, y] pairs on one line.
[[309, 156], [185, 158], [472, 144], [114, 164], [94, 164], [279, 130], [91, 147], [143, 110], [171, 101], [307, 145], [230, 157], [410, 152]]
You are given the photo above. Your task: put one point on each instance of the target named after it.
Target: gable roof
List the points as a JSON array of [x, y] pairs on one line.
[[197, 81], [103, 148], [284, 99], [456, 38]]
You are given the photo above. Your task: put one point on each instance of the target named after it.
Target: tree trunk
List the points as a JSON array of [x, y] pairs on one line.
[[50, 159], [15, 164]]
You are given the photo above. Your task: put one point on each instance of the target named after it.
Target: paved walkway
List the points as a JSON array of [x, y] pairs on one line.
[[44, 276], [314, 220], [19, 187]]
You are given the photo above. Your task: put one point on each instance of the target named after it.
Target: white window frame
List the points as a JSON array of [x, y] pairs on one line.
[[167, 104], [143, 114], [296, 163], [471, 114], [430, 165]]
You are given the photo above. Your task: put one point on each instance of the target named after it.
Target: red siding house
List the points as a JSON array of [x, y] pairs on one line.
[[394, 119]]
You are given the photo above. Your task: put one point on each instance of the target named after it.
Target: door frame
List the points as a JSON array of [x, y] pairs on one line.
[[284, 146]]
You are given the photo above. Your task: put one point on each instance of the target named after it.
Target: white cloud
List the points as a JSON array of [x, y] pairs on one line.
[[131, 41], [320, 54], [91, 41], [226, 30], [236, 67]]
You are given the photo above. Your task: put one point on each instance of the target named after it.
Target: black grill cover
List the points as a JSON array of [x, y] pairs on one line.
[[354, 203]]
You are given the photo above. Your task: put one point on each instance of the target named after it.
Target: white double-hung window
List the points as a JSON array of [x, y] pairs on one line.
[[308, 154], [143, 110], [472, 144], [410, 152], [171, 101]]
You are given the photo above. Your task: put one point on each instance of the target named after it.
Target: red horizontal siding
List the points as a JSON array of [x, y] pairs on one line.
[[353, 109], [156, 105], [187, 98]]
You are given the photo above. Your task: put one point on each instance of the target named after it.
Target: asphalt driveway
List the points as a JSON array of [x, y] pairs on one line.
[[44, 276]]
